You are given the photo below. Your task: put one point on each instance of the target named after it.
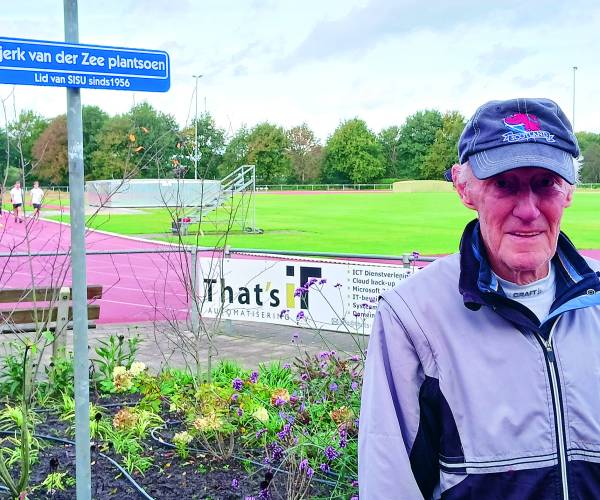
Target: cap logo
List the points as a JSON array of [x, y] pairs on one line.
[[523, 127]]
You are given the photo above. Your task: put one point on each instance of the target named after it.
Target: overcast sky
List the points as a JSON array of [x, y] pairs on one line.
[[324, 61]]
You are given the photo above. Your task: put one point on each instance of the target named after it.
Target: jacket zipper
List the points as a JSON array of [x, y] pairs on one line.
[[558, 408]]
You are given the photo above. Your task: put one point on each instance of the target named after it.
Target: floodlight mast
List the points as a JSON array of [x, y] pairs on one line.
[[196, 130]]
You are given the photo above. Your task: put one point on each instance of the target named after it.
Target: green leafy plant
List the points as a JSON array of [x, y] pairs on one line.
[[57, 481], [225, 371], [134, 462], [114, 352], [22, 443], [12, 374], [60, 373], [182, 441]]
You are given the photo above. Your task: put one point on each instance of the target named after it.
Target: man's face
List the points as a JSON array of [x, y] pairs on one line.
[[519, 214], [17, 185]]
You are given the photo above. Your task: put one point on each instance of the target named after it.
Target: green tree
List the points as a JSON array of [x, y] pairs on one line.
[[93, 119], [389, 138], [157, 134], [9, 161], [590, 170], [50, 153], [117, 153], [586, 139], [267, 150], [211, 147], [416, 138], [139, 143], [23, 133], [305, 153], [443, 152], [236, 152], [353, 153]]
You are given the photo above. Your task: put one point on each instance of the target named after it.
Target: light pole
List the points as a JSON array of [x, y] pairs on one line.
[[574, 70], [196, 131]]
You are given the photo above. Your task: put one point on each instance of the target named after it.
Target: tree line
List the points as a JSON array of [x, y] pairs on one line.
[[146, 143]]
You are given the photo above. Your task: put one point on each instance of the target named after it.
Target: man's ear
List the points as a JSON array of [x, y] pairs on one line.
[[461, 187], [569, 198]]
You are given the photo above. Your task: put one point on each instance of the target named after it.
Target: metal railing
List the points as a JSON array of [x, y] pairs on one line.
[[406, 258]]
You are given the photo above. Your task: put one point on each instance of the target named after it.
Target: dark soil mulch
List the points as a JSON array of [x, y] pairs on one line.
[[199, 477]]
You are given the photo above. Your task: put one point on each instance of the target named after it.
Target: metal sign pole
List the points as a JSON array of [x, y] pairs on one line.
[[78, 270]]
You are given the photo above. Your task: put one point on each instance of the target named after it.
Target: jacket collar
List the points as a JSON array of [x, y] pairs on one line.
[[478, 286]]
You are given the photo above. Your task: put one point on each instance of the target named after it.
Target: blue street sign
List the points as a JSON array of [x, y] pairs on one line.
[[58, 64]]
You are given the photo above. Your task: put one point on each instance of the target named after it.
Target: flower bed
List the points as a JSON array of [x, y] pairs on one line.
[[280, 431]]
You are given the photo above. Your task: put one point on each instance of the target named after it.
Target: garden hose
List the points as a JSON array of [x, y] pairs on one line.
[[241, 459], [140, 490]]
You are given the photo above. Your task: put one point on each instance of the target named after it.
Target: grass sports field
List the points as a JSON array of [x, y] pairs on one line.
[[380, 223]]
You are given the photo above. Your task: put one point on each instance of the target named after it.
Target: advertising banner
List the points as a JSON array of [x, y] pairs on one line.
[[319, 294]]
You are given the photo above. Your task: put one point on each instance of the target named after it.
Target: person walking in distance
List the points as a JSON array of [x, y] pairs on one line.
[[37, 194], [16, 198]]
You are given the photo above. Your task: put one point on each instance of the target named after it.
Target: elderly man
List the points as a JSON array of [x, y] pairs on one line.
[[482, 377]]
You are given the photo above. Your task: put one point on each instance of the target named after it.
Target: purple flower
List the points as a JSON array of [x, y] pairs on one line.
[[416, 255], [333, 387], [234, 397], [280, 401], [330, 453], [324, 355], [235, 484], [300, 316], [237, 384], [264, 494], [325, 468], [285, 432], [286, 366], [356, 314], [276, 450], [310, 472], [365, 305], [354, 484], [354, 497], [260, 432], [299, 292], [249, 498], [304, 377], [303, 464], [254, 377], [310, 282], [293, 399], [322, 281], [354, 386], [240, 412], [283, 313], [355, 357]]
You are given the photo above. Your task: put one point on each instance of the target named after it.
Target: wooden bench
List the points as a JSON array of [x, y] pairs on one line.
[[47, 309]]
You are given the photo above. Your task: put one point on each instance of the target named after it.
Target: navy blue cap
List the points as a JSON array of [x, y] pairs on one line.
[[528, 132]]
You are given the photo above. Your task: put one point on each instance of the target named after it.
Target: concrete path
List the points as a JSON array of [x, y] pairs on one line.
[[247, 343]]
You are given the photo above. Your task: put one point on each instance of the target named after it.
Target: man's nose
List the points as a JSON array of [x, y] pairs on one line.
[[526, 207]]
